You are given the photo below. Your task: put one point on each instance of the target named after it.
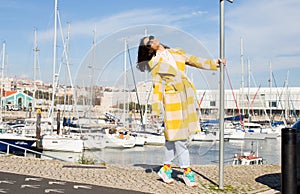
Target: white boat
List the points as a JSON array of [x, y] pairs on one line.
[[274, 132], [250, 131], [151, 135], [236, 134], [93, 141], [117, 138], [139, 140], [151, 138], [52, 141], [68, 143], [203, 136], [248, 158], [15, 139]]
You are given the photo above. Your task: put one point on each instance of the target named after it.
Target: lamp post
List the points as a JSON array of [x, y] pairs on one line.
[[221, 116]]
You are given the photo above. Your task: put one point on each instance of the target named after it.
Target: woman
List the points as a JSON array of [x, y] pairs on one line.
[[175, 91]]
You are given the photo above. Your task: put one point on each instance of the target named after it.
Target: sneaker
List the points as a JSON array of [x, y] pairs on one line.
[[166, 175], [189, 179]]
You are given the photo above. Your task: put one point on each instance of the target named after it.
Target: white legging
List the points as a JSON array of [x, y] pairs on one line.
[[177, 149]]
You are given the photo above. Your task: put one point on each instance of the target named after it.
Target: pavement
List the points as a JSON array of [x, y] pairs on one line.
[[26, 184], [34, 175]]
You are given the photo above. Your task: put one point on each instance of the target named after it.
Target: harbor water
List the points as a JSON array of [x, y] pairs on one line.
[[201, 153]]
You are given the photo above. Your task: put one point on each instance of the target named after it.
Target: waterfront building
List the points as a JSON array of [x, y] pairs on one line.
[[16, 100], [260, 103]]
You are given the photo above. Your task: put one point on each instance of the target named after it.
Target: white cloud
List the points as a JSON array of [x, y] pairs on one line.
[[108, 25], [270, 33]]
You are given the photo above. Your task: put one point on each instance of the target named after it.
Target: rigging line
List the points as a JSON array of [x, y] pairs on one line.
[[279, 97], [262, 104], [131, 100], [235, 101], [136, 92], [199, 102], [254, 97], [201, 99], [293, 107], [289, 97]]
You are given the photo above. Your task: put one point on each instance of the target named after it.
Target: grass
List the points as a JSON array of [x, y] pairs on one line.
[[86, 160]]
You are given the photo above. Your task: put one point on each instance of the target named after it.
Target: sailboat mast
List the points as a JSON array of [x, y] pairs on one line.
[[242, 81], [92, 66], [249, 72], [270, 86], [54, 65], [35, 49], [286, 102], [2, 78], [124, 97]]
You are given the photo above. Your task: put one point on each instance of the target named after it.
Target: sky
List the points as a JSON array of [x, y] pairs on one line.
[[269, 31]]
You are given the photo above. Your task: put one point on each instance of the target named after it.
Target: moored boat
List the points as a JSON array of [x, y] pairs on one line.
[[62, 143], [15, 139], [248, 158]]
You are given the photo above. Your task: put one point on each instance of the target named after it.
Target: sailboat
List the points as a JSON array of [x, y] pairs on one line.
[[10, 138], [248, 158], [59, 142]]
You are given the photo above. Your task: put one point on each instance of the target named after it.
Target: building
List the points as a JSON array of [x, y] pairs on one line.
[[263, 102], [16, 100]]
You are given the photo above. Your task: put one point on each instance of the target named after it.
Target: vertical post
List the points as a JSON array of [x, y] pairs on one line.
[[58, 122], [221, 116], [288, 161], [38, 128]]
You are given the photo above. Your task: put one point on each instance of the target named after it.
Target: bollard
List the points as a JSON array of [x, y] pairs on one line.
[[297, 127], [38, 128], [288, 161]]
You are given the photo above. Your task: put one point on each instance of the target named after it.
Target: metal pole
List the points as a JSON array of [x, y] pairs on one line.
[[222, 56], [221, 127], [51, 112]]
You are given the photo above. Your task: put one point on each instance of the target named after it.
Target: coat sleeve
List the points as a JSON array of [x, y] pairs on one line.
[[201, 63]]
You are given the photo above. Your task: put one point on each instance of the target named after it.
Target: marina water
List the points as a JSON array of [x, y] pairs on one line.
[[201, 153]]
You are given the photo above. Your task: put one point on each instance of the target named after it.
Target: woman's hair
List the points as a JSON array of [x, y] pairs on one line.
[[145, 53]]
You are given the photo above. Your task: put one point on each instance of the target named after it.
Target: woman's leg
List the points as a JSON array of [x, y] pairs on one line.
[[166, 172], [182, 153], [169, 152], [184, 161]]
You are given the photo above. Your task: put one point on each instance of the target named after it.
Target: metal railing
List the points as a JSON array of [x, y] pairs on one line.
[[28, 150]]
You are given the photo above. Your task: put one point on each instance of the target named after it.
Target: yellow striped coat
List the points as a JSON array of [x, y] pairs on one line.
[[173, 89]]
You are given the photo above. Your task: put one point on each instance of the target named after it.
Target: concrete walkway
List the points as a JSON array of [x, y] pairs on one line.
[[143, 177]]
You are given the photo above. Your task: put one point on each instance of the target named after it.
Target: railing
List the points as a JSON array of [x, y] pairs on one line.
[[30, 151]]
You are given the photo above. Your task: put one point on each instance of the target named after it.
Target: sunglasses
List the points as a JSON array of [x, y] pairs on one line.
[[148, 40]]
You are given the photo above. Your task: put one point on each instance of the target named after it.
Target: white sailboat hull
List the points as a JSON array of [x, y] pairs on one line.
[[202, 136], [112, 141], [62, 143]]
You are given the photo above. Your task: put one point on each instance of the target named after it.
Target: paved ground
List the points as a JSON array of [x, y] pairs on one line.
[[27, 184], [62, 177]]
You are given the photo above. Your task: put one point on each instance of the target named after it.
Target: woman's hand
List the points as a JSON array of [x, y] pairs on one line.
[[219, 61]]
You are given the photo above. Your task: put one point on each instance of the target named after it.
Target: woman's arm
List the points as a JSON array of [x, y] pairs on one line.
[[202, 63]]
